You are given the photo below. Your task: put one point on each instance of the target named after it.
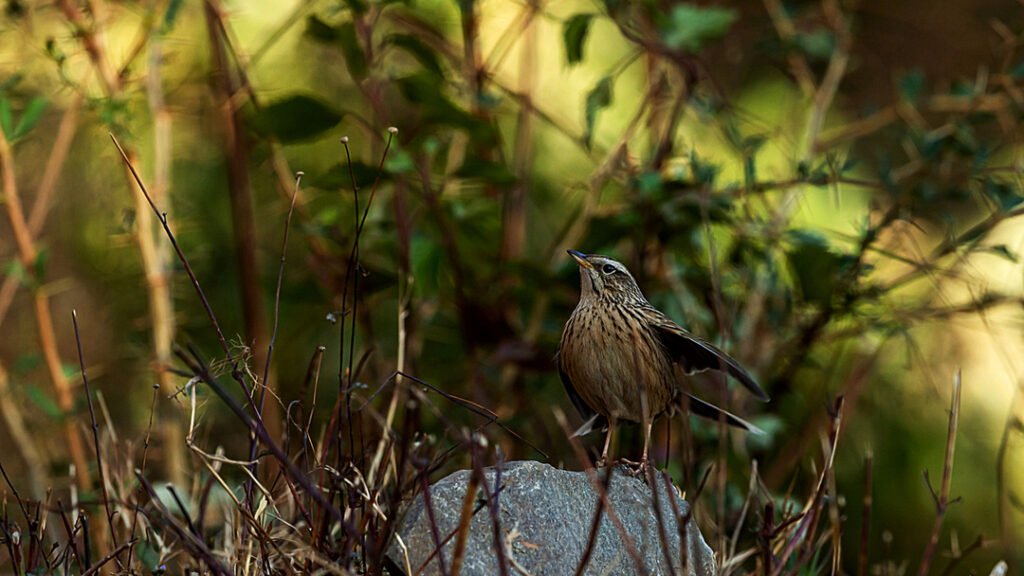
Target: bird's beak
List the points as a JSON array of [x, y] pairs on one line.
[[580, 259]]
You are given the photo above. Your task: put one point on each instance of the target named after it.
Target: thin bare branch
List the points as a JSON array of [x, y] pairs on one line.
[[942, 500]]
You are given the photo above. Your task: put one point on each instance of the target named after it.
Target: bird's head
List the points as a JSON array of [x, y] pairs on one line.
[[602, 278]]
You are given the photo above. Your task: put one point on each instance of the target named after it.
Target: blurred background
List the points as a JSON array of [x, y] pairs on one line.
[[828, 191]]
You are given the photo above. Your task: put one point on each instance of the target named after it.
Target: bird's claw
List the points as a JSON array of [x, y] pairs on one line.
[[635, 468]]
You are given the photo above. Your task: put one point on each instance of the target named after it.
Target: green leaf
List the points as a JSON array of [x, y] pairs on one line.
[[171, 15], [488, 99], [613, 6], [751, 144], [54, 52], [911, 86], [427, 263], [337, 177], [11, 81], [427, 91], [487, 170], [26, 363], [345, 37], [320, 31], [357, 6], [355, 58], [421, 88], [6, 118], [574, 33], [704, 172], [981, 157], [964, 140], [599, 98], [689, 27], [649, 184], [296, 118], [814, 266], [113, 112], [15, 270], [750, 171], [71, 371], [1004, 252], [818, 44], [1003, 194], [424, 54], [964, 89], [399, 161], [30, 117], [42, 257], [149, 557], [43, 402]]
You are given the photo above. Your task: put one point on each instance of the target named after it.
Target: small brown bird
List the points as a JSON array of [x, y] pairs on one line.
[[618, 356]]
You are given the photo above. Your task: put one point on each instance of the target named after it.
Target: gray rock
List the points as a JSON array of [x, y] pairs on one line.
[[546, 517]]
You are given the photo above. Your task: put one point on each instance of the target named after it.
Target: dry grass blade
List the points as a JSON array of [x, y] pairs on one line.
[[71, 548], [495, 510], [162, 216], [466, 516], [264, 382], [115, 553], [194, 544], [203, 372], [978, 544], [352, 264], [434, 530], [472, 407], [142, 467], [751, 488], [803, 531], [95, 437]]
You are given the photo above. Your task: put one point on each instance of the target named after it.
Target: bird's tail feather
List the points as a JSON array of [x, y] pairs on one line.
[[595, 422], [708, 410]]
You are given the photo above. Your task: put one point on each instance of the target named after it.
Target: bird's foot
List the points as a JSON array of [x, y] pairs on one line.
[[635, 468]]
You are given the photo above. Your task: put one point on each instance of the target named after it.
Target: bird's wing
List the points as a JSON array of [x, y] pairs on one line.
[[712, 412], [591, 419], [697, 354]]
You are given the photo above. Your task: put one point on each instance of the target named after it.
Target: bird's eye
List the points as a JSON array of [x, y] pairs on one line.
[[608, 269]]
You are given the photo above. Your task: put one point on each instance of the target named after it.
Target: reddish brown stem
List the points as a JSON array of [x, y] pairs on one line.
[[27, 255], [236, 149]]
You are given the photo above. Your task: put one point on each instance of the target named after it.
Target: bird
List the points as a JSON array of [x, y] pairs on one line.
[[622, 359]]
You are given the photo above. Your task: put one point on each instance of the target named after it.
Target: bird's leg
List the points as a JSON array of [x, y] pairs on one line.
[[603, 461], [640, 468], [647, 443]]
